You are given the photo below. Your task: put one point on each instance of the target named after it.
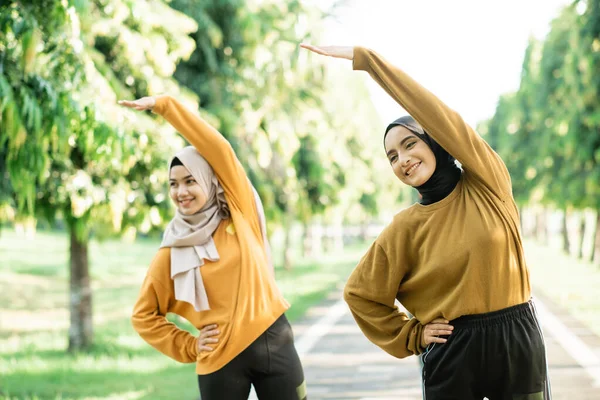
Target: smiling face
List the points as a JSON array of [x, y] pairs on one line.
[[186, 193], [411, 158]]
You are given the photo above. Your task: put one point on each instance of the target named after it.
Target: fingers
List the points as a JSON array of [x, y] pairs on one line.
[[208, 327], [133, 104], [127, 103], [209, 330], [439, 332], [315, 49], [213, 332], [204, 342], [436, 328], [202, 348], [440, 327], [435, 339], [205, 337]]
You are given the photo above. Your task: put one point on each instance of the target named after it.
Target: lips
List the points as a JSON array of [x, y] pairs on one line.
[[412, 168], [185, 202]]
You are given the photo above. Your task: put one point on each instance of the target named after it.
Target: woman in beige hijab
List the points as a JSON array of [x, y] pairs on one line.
[[214, 269]]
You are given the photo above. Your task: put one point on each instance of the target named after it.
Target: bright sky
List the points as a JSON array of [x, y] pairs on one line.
[[467, 52]]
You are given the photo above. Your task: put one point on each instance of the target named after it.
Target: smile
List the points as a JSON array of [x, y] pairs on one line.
[[186, 202], [411, 169]]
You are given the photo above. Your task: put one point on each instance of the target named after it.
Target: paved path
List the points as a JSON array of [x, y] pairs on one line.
[[340, 363]]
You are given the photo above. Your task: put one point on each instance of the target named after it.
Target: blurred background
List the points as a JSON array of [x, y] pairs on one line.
[[83, 182]]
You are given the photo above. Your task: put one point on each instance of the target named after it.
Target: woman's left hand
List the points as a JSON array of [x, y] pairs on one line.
[[434, 329], [145, 103], [346, 52]]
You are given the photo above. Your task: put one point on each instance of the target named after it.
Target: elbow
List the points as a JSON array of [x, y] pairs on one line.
[[348, 294], [137, 322], [398, 353]]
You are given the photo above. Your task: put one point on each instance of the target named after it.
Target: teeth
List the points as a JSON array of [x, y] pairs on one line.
[[412, 168]]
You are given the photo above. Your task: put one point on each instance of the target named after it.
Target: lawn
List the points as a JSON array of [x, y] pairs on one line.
[[571, 283], [34, 320]]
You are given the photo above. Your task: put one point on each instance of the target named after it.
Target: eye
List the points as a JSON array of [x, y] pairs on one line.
[[410, 145], [190, 181], [172, 184], [393, 159]]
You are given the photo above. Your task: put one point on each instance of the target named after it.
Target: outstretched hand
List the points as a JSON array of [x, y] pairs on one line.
[[346, 52], [144, 103]]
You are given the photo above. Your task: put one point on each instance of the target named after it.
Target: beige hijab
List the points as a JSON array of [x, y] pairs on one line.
[[190, 236]]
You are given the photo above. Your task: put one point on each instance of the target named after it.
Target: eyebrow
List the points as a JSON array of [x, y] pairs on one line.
[[401, 143], [185, 177]]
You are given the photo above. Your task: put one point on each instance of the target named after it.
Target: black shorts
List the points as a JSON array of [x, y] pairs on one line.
[[270, 364], [499, 355]]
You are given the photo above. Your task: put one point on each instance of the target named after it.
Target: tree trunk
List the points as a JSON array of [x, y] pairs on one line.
[[287, 244], [581, 235], [80, 305], [364, 231], [596, 246], [306, 240], [565, 232], [327, 240], [338, 237], [317, 239], [541, 232]]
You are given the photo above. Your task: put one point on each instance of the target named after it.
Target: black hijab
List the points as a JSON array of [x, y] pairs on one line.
[[446, 174]]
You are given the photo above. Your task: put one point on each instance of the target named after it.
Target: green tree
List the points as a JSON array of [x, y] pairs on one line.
[[72, 153]]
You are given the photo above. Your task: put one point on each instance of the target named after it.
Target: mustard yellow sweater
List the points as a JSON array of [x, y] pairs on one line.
[[243, 295], [462, 255]]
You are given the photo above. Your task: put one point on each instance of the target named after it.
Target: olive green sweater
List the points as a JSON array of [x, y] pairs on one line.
[[462, 255]]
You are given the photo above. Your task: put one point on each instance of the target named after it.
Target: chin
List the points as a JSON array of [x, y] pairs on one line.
[[187, 211]]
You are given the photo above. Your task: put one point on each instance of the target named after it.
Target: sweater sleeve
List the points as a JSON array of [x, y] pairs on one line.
[[370, 293], [214, 148], [149, 321], [443, 124]]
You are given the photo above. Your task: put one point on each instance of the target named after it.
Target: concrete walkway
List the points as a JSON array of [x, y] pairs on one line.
[[340, 363]]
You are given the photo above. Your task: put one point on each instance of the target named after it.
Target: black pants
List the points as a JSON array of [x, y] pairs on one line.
[[498, 355], [271, 364]]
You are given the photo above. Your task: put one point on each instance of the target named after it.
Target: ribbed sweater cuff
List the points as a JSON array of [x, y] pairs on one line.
[[360, 59], [161, 104], [415, 344]]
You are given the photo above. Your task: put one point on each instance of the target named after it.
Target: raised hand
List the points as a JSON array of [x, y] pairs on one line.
[[145, 103], [434, 329], [204, 338], [346, 52]]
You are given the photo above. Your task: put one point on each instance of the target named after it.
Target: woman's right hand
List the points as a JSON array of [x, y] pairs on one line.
[[434, 329], [205, 338], [345, 52], [141, 104]]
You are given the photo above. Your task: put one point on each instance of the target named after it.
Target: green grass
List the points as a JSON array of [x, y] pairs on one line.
[[34, 320], [571, 283]]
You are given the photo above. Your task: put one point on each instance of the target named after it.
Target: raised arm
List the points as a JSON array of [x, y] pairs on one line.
[[370, 293], [209, 143], [443, 124]]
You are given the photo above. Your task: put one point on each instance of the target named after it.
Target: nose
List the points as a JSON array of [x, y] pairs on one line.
[[182, 190], [405, 160]]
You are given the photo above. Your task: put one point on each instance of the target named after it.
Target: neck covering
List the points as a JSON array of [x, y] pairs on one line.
[[446, 174], [190, 236]]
